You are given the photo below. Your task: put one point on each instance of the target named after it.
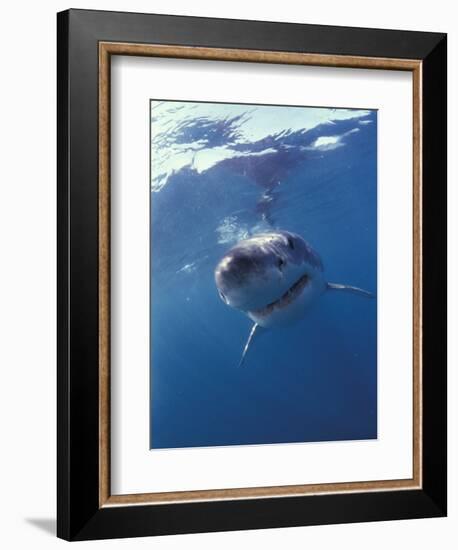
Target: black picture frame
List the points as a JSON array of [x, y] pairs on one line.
[[80, 516]]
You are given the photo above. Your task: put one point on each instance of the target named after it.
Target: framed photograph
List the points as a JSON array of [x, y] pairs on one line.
[[251, 274]]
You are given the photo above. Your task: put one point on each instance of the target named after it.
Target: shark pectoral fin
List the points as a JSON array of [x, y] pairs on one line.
[[248, 342], [348, 288]]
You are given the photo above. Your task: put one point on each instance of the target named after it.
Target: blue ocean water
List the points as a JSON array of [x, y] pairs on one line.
[[220, 173]]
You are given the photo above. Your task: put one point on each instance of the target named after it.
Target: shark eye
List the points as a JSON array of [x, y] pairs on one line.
[[290, 243], [280, 263]]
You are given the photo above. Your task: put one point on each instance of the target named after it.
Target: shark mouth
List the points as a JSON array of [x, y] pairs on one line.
[[286, 299]]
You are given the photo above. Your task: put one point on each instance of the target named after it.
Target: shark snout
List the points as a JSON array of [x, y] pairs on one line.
[[249, 279], [235, 276], [234, 271]]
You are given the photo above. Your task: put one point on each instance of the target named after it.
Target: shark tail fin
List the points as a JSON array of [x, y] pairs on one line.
[[348, 288], [248, 342]]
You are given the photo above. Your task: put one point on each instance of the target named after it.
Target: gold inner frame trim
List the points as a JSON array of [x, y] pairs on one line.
[[106, 50]]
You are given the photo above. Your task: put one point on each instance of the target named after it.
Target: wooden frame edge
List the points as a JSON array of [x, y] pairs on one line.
[[283, 491], [106, 49], [417, 353], [104, 276], [256, 56]]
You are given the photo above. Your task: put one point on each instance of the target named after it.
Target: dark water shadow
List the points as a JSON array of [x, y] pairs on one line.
[[48, 525]]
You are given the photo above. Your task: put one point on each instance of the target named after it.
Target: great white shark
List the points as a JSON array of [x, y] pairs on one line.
[[273, 278]]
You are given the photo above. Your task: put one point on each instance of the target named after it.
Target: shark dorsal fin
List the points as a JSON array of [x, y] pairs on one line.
[[248, 342]]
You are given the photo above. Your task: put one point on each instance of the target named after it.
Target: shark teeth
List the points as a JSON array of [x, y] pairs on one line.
[[286, 298]]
